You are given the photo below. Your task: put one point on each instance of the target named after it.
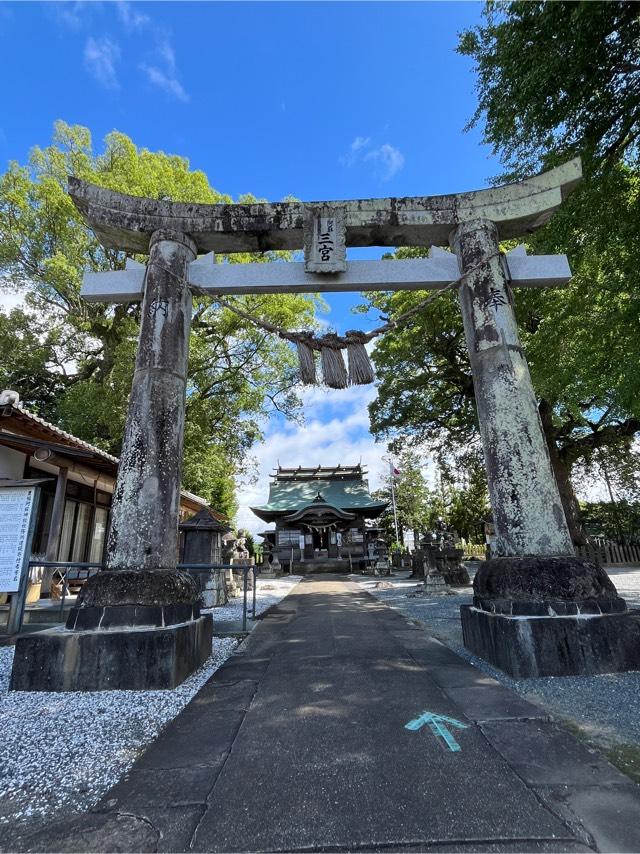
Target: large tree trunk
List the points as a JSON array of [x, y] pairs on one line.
[[562, 474]]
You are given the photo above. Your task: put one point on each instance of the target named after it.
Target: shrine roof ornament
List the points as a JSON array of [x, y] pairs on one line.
[[319, 512], [127, 222], [339, 472]]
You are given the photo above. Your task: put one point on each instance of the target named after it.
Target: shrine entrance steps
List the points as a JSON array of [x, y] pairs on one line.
[[299, 742], [320, 566]]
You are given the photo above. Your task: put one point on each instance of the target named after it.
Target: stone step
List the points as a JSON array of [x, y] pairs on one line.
[[309, 567]]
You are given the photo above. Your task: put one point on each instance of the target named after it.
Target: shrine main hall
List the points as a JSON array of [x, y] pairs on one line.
[[321, 514]]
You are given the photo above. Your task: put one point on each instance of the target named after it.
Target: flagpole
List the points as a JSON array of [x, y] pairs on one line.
[[393, 500]]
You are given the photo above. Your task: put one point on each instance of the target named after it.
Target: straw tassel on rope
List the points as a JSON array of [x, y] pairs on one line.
[[360, 367], [334, 372], [306, 358]]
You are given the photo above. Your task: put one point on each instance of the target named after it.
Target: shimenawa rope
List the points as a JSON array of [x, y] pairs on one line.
[[330, 345]]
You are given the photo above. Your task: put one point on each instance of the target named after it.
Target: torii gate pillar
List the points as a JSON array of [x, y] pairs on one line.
[[148, 486], [527, 511], [138, 624], [524, 594]]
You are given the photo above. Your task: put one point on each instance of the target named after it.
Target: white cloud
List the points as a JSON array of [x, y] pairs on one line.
[[389, 159], [386, 159], [360, 142], [100, 58], [167, 54], [73, 15], [336, 431], [131, 19], [163, 72], [168, 83], [352, 156]]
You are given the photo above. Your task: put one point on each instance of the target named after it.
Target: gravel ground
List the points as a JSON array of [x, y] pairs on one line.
[[269, 591], [605, 707], [60, 752]]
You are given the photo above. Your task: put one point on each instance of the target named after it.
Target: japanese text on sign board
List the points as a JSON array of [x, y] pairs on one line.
[[326, 239], [15, 513]]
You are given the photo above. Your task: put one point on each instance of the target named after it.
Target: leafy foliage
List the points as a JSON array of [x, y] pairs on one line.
[[557, 78], [411, 496], [464, 495], [553, 80], [617, 521], [73, 361], [459, 497]]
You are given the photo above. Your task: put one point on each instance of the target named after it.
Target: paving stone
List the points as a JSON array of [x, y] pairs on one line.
[[193, 739], [314, 754], [97, 832], [544, 753], [246, 667], [609, 814], [522, 846], [331, 763], [179, 787], [464, 676], [493, 702], [230, 695], [176, 826]]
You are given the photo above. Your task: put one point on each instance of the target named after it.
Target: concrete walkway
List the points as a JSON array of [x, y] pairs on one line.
[[298, 743]]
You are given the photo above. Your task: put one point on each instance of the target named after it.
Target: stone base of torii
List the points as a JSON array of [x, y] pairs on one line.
[[537, 609]]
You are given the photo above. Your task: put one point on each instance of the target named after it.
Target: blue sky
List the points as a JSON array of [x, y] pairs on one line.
[[319, 100]]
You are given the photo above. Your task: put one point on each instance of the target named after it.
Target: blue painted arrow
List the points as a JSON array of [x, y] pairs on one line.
[[438, 726]]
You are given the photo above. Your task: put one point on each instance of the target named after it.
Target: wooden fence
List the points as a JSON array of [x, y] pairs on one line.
[[474, 550], [608, 553], [604, 552]]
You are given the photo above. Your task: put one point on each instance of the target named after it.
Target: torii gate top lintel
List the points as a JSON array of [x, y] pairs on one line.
[[127, 222]]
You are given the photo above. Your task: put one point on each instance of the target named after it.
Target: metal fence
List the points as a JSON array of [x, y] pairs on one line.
[[78, 571]]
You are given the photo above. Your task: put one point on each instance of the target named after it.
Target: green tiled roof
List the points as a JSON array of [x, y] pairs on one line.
[[289, 496]]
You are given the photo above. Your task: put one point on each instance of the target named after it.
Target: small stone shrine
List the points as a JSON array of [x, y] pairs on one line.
[[202, 543], [438, 552]]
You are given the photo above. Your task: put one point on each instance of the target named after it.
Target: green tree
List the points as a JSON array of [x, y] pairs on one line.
[[464, 494], [411, 495], [618, 521], [553, 80], [73, 361]]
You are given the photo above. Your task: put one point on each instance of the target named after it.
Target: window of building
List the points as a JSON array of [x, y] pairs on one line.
[[66, 535], [81, 532], [289, 538], [99, 534], [80, 539]]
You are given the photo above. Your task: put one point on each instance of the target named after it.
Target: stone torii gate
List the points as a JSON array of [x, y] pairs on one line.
[[536, 572]]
